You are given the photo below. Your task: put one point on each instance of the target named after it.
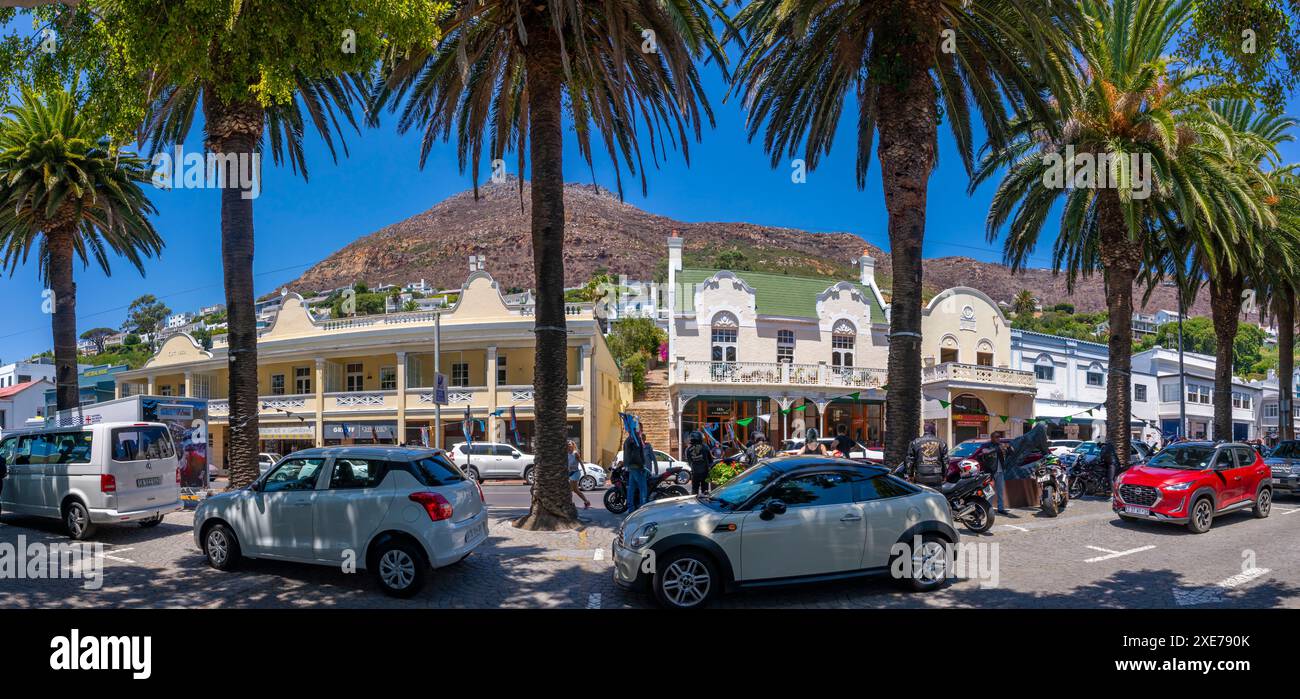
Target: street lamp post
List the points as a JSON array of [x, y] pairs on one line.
[[1182, 374]]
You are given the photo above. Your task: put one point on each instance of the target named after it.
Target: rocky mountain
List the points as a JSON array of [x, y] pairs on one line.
[[605, 234]]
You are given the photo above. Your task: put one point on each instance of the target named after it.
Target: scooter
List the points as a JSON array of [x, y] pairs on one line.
[[664, 485]]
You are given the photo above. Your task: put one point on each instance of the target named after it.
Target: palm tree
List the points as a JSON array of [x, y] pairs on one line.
[[67, 190], [233, 132], [903, 63], [500, 75], [1278, 288], [1264, 247], [1141, 122]]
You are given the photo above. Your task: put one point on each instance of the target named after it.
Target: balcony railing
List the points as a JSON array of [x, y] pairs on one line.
[[978, 374], [777, 374]]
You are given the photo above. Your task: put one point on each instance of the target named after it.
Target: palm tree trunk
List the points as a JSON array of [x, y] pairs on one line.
[[1286, 364], [235, 129], [906, 124], [1121, 258], [64, 317], [552, 506], [1225, 307]]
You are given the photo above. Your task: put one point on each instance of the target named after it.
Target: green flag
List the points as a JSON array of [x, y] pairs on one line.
[[745, 422], [802, 407], [1066, 420], [1003, 417], [854, 395], [944, 403]]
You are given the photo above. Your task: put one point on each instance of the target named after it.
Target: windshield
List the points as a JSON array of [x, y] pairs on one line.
[[739, 489], [1087, 448], [1287, 450], [1197, 457], [964, 449]]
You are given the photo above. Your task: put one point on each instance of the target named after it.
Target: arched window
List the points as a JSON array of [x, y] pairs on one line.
[[723, 332], [1045, 369], [785, 346], [844, 338]]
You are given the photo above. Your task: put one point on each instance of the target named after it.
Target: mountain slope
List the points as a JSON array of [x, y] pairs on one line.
[[603, 233]]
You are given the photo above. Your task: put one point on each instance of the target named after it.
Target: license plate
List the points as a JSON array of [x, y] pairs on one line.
[[478, 532], [1134, 510], [148, 482], [988, 492]]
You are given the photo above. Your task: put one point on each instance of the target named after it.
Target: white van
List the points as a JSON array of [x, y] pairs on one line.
[[107, 473]]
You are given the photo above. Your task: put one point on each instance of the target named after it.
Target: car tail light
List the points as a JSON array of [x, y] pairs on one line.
[[482, 498], [107, 483], [434, 503]]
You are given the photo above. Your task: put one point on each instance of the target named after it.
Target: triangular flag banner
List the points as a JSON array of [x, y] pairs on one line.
[[944, 403], [1003, 417], [1066, 420], [765, 417], [855, 395], [1029, 422], [802, 407], [785, 411], [1089, 411], [745, 421]]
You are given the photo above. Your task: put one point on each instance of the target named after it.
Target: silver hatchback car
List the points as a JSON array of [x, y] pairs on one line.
[[788, 519], [394, 511]]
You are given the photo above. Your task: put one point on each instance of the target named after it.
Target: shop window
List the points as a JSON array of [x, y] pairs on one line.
[[460, 374], [388, 378], [277, 384], [948, 355]]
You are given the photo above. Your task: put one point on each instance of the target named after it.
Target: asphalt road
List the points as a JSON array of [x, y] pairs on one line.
[[1086, 558]]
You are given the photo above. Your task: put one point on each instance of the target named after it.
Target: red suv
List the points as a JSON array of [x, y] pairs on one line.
[[1193, 482]]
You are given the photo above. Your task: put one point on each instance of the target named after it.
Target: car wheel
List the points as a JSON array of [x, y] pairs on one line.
[[221, 547], [1202, 516], [400, 569], [686, 579], [76, 520], [1263, 503], [587, 483], [930, 566], [472, 474], [151, 522], [529, 475]]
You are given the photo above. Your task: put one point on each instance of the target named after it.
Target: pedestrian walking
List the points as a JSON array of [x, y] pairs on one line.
[[634, 462], [575, 474], [699, 459]]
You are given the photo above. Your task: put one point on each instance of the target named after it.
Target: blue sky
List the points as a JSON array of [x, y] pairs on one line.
[[298, 223]]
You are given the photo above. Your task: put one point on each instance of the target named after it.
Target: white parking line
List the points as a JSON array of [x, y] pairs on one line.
[[1115, 554], [1213, 594], [1098, 548], [1012, 526], [1287, 512], [593, 600]]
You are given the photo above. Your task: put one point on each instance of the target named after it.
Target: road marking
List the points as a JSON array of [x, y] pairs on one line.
[[1213, 594], [119, 559], [1287, 512], [599, 555], [1115, 554], [1012, 526], [593, 600], [1098, 548]]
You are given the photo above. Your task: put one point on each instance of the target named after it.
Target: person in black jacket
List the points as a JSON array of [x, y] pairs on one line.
[[927, 458], [991, 458], [699, 459], [844, 444], [638, 491]]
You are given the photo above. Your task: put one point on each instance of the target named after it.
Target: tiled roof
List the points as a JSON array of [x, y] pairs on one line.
[[775, 294], [17, 388]]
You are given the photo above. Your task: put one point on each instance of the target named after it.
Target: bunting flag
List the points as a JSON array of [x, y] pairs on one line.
[[1003, 418], [944, 404], [745, 422], [766, 417], [855, 395]]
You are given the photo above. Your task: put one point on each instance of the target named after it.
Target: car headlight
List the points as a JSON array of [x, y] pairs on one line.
[[1178, 486], [645, 534]]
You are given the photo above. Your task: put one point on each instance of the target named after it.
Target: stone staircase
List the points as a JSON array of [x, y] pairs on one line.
[[652, 407]]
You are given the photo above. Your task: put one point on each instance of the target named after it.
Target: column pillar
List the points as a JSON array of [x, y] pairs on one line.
[[401, 398], [189, 384], [318, 385], [492, 394], [586, 370], [150, 384]]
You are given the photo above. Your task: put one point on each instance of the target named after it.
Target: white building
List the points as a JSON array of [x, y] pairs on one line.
[[1071, 377], [1199, 386], [21, 401], [23, 372], [176, 321]]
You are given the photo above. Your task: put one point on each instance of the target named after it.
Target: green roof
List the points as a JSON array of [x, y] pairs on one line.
[[774, 294]]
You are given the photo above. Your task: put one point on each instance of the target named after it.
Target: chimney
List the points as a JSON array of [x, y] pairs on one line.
[[866, 269]]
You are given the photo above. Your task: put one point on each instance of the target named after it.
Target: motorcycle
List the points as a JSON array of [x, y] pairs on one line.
[[1054, 484], [664, 485], [1088, 477], [970, 499]]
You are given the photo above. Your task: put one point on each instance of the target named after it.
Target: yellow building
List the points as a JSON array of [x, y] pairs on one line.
[[370, 379]]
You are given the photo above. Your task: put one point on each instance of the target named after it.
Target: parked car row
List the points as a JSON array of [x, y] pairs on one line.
[[493, 460]]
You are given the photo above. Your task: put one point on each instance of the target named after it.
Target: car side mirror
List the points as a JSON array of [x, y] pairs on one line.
[[772, 508]]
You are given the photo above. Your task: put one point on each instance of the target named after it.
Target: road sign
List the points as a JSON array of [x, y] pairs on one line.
[[440, 389]]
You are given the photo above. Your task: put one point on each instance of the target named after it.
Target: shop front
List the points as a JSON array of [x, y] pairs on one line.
[[714, 413], [286, 438], [345, 433], [864, 421]]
